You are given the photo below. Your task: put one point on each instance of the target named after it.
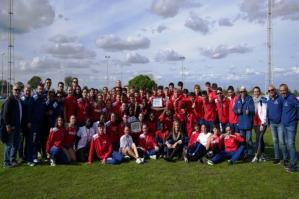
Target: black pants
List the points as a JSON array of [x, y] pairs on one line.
[[170, 153]]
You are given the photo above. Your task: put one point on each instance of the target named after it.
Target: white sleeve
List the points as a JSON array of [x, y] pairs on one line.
[[79, 132], [262, 111]]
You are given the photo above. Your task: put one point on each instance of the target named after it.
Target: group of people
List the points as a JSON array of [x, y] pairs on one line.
[[209, 126]]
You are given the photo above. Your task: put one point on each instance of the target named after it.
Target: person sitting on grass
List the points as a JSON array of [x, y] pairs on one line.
[[147, 145], [101, 148], [233, 148], [69, 139], [54, 144], [84, 135], [161, 136], [191, 152], [215, 143], [175, 142], [128, 147]]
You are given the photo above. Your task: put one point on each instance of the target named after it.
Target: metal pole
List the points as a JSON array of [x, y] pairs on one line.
[[107, 72], [10, 44], [269, 79], [2, 82]]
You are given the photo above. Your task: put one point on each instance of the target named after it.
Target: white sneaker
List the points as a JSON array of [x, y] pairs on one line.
[[127, 157], [210, 162], [138, 161], [142, 160], [36, 161], [186, 159], [255, 159], [52, 163], [31, 164], [262, 158], [154, 157]]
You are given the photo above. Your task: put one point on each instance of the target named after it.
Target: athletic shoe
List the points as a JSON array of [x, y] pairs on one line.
[[14, 163], [6, 165], [262, 158], [31, 164], [255, 160], [127, 157], [230, 162], [276, 161], [36, 161], [286, 164], [52, 163], [142, 160], [210, 162], [291, 169], [138, 161], [154, 157], [186, 159], [204, 160]]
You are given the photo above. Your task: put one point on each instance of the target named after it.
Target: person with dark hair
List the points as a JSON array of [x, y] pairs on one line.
[[244, 109], [54, 144], [147, 145], [75, 83], [210, 113], [222, 107], [47, 86], [69, 139], [83, 108], [160, 136], [180, 85], [232, 117], [112, 130], [101, 148], [259, 124], [70, 105], [12, 120], [289, 118], [77, 92]]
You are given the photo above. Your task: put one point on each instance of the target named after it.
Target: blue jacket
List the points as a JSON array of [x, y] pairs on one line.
[[55, 109], [26, 102], [245, 121], [274, 109], [290, 110], [38, 111]]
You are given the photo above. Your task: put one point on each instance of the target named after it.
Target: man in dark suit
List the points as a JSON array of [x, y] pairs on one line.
[[12, 116]]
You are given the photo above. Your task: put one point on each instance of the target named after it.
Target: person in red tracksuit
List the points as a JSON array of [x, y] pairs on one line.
[[191, 153], [97, 108], [147, 145], [160, 136], [222, 107], [210, 114], [54, 144], [232, 117], [70, 104], [69, 139], [215, 143], [101, 147], [233, 147], [197, 107], [83, 108], [113, 131], [187, 121]]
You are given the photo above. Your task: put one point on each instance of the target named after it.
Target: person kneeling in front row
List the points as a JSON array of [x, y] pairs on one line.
[[233, 148], [101, 147]]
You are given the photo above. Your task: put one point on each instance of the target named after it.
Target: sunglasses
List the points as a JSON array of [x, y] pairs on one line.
[[219, 93], [17, 89], [270, 90]]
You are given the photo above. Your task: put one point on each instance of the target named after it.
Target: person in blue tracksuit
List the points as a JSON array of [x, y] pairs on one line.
[[274, 111], [37, 119], [289, 118], [25, 149], [244, 109]]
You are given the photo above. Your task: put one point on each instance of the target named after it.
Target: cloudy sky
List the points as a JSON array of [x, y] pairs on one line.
[[221, 41]]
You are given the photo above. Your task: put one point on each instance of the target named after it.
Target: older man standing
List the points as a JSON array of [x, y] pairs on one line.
[[12, 115], [289, 118]]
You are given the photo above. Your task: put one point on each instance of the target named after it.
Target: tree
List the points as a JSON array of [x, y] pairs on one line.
[[142, 81], [34, 81], [68, 81]]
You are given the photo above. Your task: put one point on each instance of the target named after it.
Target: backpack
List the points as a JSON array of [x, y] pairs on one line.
[[3, 133]]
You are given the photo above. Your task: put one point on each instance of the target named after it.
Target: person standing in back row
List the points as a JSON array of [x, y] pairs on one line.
[[289, 118]]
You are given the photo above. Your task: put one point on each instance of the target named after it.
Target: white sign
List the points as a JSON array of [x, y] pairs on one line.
[[135, 127], [157, 103]]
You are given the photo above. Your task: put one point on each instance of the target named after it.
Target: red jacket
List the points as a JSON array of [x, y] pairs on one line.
[[231, 142], [191, 120], [216, 142], [210, 110], [232, 117], [162, 134], [69, 137], [96, 111], [198, 110], [193, 138], [113, 131], [70, 105], [55, 138], [167, 121], [222, 108], [147, 142], [101, 145], [83, 110]]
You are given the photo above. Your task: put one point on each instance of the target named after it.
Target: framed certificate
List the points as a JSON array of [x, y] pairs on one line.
[[135, 127], [157, 102]]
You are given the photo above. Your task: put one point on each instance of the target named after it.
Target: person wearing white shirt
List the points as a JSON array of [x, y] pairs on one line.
[[85, 134]]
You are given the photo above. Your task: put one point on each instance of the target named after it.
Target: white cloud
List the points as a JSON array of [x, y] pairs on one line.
[[197, 24], [39, 65], [59, 38], [286, 71], [28, 15], [114, 43], [256, 10], [225, 22], [223, 51], [168, 55], [69, 51], [251, 71], [170, 8], [135, 58]]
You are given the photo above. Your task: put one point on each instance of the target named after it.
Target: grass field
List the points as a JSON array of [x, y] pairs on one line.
[[155, 179]]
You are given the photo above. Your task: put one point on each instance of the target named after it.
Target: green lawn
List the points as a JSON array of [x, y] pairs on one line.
[[155, 179]]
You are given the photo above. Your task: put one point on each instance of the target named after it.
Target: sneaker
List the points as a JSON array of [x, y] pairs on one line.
[[230, 162], [14, 163], [142, 160], [291, 169], [6, 165], [127, 157], [210, 162], [52, 163], [204, 160], [138, 161], [36, 161], [154, 157], [262, 158], [186, 159], [276, 161], [255, 159], [31, 164]]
